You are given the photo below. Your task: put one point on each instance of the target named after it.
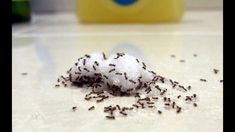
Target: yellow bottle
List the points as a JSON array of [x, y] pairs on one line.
[[114, 11]]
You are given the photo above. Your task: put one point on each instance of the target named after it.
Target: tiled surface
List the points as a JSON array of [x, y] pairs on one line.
[[47, 47]]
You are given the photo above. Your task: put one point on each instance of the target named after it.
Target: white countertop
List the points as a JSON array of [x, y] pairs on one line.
[[49, 45]]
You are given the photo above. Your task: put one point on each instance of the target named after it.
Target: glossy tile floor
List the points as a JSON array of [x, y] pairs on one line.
[[48, 46]]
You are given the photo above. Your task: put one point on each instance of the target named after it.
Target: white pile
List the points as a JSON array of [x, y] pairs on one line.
[[122, 74], [122, 70]]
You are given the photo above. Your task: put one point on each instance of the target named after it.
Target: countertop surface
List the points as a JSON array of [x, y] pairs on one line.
[[49, 45]]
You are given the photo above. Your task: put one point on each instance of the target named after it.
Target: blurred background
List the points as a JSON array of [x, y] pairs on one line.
[[41, 6], [43, 20], [28, 8]]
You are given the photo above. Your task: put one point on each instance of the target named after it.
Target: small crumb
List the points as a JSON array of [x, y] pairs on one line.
[[164, 98], [194, 104], [137, 60], [57, 85], [203, 80], [112, 70], [159, 112], [112, 65], [189, 87], [154, 97], [134, 105], [173, 105], [172, 56], [182, 61], [118, 107], [91, 108], [215, 71], [195, 55], [104, 56], [123, 113], [150, 106], [74, 108], [178, 110], [110, 117], [88, 56], [24, 73]]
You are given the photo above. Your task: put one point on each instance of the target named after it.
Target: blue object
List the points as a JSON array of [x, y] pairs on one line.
[[125, 2]]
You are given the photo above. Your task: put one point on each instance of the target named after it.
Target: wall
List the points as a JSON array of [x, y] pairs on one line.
[[40, 6], [204, 4]]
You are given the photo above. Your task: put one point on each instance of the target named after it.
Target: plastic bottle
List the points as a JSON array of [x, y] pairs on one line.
[[144, 11], [21, 11]]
